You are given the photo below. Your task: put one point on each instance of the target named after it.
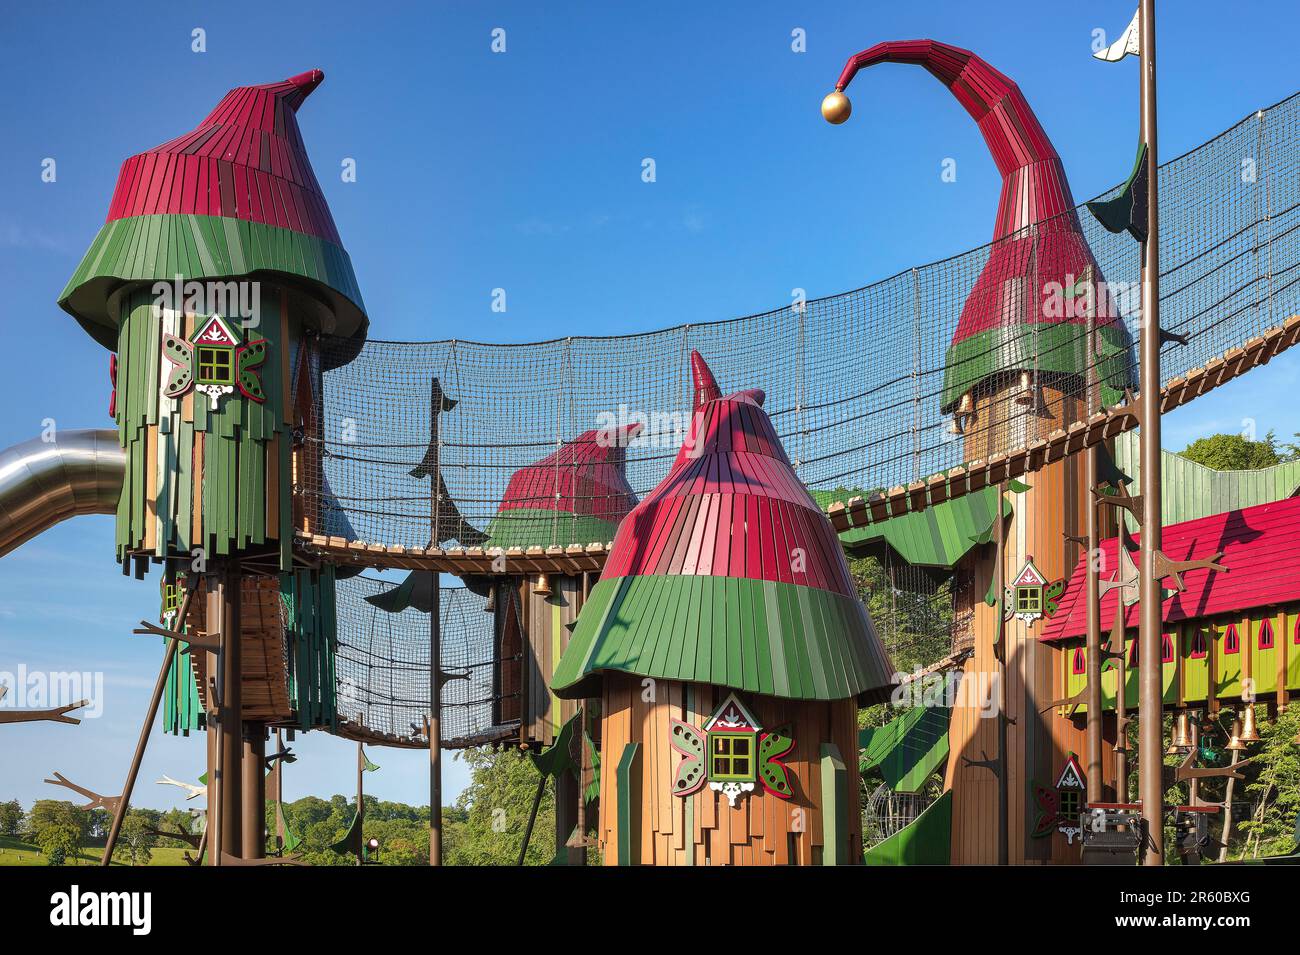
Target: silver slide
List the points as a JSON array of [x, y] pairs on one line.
[[45, 482]]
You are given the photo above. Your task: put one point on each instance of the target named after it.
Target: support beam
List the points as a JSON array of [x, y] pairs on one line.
[[1150, 710], [223, 610], [435, 723], [253, 789]]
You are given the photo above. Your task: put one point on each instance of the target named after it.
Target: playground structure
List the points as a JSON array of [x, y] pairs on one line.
[[647, 575]]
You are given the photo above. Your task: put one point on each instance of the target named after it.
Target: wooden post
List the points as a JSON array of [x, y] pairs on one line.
[[1000, 651], [223, 610], [1121, 697], [131, 773], [435, 723], [253, 792], [1092, 595], [1150, 704], [361, 805], [277, 793]]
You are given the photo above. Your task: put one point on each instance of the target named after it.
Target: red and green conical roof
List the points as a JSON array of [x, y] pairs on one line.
[[578, 494], [1002, 327], [728, 574], [235, 197]]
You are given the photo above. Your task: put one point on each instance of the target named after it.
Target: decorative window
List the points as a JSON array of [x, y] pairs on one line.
[[1080, 662], [731, 757], [216, 365], [1197, 642], [171, 598], [1029, 600], [1166, 648], [1133, 653], [1071, 803], [1266, 635], [1296, 636], [1231, 642]]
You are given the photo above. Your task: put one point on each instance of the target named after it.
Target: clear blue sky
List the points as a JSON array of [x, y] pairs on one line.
[[522, 171]]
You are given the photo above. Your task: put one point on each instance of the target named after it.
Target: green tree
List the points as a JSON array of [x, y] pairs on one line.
[[49, 814], [1235, 452], [59, 842], [487, 824], [11, 818], [1274, 789], [136, 842]]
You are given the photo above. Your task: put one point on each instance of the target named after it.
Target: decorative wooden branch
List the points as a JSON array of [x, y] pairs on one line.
[[107, 803], [53, 715], [193, 791], [188, 838], [204, 641], [1132, 503], [1176, 568], [1185, 771], [1073, 702], [284, 755]]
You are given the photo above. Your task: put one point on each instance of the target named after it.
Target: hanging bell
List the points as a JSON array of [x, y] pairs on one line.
[[543, 586], [1025, 394], [965, 410], [1182, 738], [1249, 731], [490, 604], [1235, 744]]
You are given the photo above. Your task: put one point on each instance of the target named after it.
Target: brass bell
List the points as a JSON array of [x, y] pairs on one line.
[[1235, 744], [965, 410], [1025, 395], [543, 586], [1249, 731], [1182, 738]]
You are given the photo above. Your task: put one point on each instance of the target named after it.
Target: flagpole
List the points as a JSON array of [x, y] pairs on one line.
[[1150, 710]]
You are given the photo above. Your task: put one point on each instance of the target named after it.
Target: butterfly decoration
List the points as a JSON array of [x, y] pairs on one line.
[[214, 363], [733, 754]]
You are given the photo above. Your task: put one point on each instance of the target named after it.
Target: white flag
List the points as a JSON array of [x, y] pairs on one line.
[[1128, 43]]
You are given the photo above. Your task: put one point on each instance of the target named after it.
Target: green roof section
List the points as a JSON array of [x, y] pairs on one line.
[[541, 527], [1189, 490], [938, 536], [926, 840], [160, 247], [908, 749], [756, 636]]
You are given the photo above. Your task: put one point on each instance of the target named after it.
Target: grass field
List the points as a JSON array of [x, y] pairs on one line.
[[16, 852]]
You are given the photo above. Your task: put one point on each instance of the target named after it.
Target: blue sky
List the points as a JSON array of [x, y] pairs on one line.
[[522, 171]]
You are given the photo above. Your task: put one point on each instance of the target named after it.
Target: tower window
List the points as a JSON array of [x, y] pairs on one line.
[[216, 365], [1266, 636], [731, 756], [1080, 661], [1231, 642], [1029, 599]]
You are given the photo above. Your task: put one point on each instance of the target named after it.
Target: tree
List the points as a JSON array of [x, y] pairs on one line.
[[136, 841], [11, 817], [59, 842], [63, 816], [1275, 789], [486, 825], [1235, 452]]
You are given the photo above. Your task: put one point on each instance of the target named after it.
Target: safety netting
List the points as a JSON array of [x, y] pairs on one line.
[[383, 663], [866, 388]]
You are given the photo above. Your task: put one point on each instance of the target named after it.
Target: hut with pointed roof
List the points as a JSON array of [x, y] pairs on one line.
[[730, 653]]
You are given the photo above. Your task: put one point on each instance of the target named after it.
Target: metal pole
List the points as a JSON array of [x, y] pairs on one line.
[[131, 774], [1150, 712], [1000, 590], [1093, 605], [253, 792], [435, 723], [230, 736], [278, 795], [1121, 702], [361, 806]]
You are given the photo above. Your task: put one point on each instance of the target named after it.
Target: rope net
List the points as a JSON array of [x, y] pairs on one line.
[[383, 664], [862, 386]]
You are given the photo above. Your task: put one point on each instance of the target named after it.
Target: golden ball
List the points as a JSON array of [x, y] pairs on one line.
[[836, 107]]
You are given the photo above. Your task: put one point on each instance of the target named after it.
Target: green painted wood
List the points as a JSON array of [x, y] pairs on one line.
[[926, 840], [1189, 490], [628, 781], [538, 527], [149, 248], [909, 749], [835, 806], [938, 536], [630, 624]]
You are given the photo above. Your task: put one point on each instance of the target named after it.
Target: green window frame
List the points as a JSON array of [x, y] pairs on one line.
[[731, 757], [171, 598], [1029, 599], [216, 365], [1071, 801]]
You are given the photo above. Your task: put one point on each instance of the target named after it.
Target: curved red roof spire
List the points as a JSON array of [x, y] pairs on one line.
[[706, 389], [234, 196], [1022, 264]]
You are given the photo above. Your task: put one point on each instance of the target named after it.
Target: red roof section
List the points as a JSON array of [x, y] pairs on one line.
[[1261, 551], [585, 476], [246, 160], [731, 506]]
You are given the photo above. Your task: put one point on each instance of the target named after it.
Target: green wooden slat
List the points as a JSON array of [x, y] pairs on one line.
[[835, 806], [629, 804]]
